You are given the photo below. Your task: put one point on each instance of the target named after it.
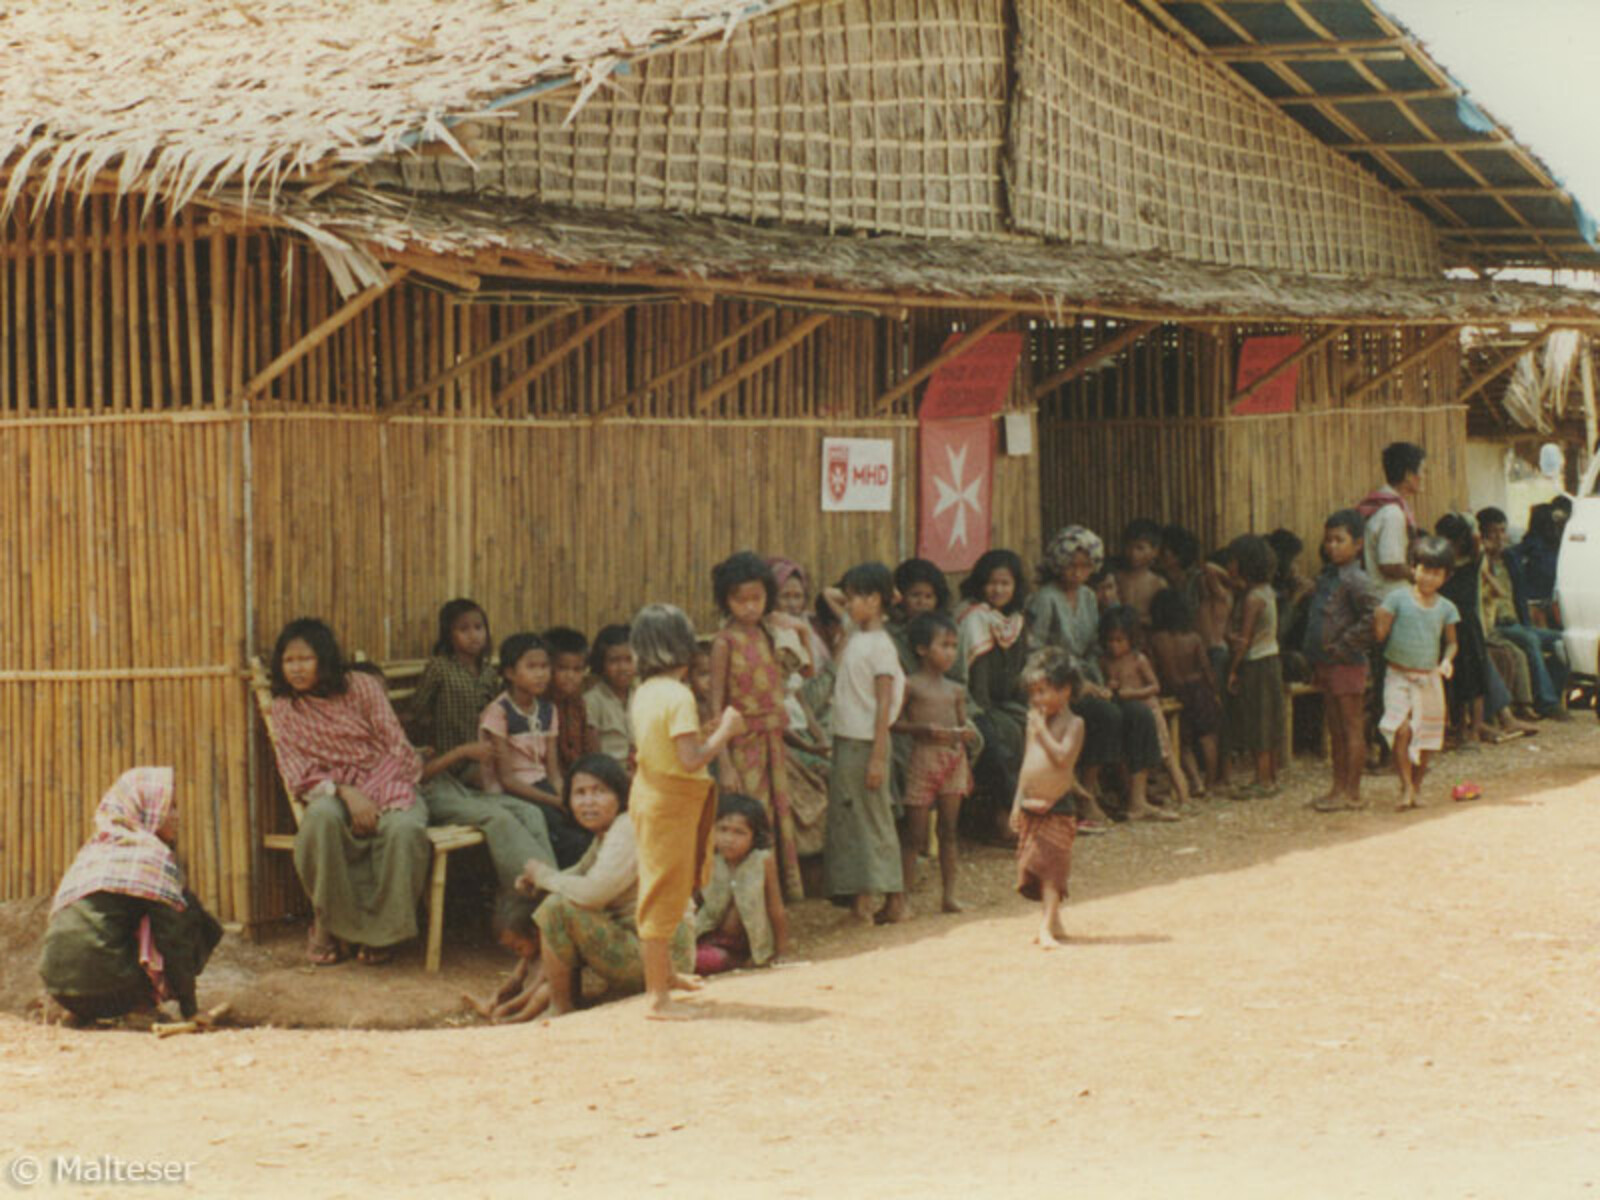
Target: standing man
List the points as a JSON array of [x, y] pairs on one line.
[[1391, 518]]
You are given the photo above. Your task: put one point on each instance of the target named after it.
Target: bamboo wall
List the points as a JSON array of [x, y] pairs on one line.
[[1152, 434], [903, 131], [157, 527]]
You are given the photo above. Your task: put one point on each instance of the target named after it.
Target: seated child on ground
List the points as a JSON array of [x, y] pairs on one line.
[[519, 998], [741, 920], [606, 701], [935, 718], [569, 659], [520, 724], [1409, 624], [1182, 665], [1130, 676], [1044, 813]]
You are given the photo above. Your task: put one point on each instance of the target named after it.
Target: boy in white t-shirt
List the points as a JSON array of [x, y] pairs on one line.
[[861, 857]]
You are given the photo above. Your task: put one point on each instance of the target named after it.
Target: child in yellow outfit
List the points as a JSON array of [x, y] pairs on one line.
[[671, 800]]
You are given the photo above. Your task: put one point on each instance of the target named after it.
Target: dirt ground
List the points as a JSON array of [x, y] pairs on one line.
[[1259, 1001]]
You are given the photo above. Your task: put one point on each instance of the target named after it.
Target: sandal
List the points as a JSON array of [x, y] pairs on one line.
[[375, 956], [324, 951], [1092, 827]]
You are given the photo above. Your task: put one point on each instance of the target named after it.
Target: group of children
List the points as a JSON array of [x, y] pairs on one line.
[[848, 724]]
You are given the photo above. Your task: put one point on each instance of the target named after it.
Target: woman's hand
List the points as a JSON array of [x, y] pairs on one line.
[[875, 772], [530, 883], [363, 812]]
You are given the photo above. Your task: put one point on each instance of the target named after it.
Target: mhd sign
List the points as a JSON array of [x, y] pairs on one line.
[[857, 474]]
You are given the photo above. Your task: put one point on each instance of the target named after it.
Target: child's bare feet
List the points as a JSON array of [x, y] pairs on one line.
[[952, 905], [895, 910], [667, 1009], [861, 910], [1151, 813], [1047, 938]]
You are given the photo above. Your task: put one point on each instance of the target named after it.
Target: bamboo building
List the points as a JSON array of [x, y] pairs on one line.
[[307, 312]]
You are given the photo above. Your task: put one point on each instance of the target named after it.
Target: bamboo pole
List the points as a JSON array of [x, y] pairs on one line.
[[661, 378], [799, 333], [320, 333], [1099, 354], [1404, 364], [964, 343], [1283, 364], [516, 337], [555, 354], [1504, 363]]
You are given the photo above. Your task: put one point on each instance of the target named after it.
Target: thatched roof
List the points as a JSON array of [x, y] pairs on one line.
[[568, 247], [176, 94]]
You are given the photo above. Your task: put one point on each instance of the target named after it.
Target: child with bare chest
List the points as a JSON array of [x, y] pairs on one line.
[[937, 776], [1044, 813]]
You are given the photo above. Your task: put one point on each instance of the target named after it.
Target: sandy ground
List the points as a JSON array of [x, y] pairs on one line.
[[1259, 1002]]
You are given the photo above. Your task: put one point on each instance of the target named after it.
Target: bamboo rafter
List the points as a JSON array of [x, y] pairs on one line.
[[1283, 364], [1504, 363], [1404, 364], [347, 312], [962, 344], [1093, 358], [720, 347], [488, 354], [801, 331], [567, 345]]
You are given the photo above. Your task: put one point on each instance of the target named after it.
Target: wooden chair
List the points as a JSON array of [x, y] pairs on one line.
[[445, 838]]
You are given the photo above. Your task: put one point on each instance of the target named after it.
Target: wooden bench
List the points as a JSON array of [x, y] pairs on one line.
[[445, 838], [1172, 709]]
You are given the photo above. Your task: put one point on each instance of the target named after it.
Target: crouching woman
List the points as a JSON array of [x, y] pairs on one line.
[[124, 934], [589, 917]]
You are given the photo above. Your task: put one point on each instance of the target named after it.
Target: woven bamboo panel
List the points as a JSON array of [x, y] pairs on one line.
[[1122, 137], [865, 114]]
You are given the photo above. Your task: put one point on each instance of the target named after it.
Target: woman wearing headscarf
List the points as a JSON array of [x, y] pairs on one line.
[[124, 933], [1063, 613]]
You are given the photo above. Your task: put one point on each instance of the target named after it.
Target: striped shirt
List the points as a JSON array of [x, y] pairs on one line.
[[354, 739]]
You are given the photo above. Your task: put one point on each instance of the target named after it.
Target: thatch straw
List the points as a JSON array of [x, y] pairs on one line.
[[176, 95], [585, 247]]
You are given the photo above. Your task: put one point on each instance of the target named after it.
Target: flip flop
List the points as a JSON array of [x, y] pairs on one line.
[[1156, 814], [323, 953], [1093, 827], [375, 956]]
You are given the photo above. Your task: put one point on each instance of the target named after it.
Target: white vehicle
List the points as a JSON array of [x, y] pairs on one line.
[[1578, 579]]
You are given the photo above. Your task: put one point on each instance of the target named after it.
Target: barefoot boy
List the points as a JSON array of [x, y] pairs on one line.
[[935, 717], [1337, 637], [1044, 813], [1408, 624]]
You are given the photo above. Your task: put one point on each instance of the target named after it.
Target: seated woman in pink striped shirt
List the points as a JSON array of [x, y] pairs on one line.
[[362, 848]]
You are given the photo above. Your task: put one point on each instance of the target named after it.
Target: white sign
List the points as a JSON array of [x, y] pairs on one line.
[[857, 474]]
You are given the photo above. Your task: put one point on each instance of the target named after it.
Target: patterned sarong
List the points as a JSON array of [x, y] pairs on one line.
[[1044, 852], [1417, 697]]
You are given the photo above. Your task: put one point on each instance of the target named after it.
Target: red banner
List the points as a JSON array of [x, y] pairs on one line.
[[957, 480], [975, 383], [1257, 356]]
